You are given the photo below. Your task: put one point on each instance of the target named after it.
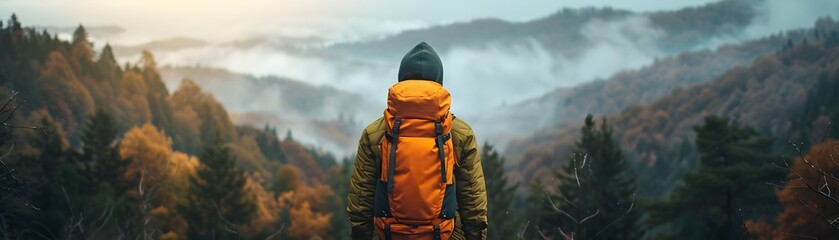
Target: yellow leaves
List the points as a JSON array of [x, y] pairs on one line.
[[149, 150], [133, 84], [267, 206], [132, 105], [162, 173], [182, 166], [305, 206], [306, 223]]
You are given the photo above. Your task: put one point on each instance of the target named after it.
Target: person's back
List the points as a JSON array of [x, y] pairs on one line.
[[412, 193]]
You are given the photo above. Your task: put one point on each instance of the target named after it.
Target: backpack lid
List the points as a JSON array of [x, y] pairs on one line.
[[418, 99], [418, 103]]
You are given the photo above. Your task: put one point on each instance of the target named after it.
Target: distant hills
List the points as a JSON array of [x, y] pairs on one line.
[[163, 45], [317, 114], [563, 32], [639, 86], [778, 94]]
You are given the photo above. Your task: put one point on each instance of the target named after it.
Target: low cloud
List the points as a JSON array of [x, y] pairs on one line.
[[485, 80]]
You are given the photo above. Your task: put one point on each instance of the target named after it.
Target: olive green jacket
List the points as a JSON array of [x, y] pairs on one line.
[[471, 216]]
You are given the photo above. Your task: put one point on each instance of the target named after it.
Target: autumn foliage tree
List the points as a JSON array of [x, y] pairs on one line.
[[810, 204], [161, 176], [303, 209]]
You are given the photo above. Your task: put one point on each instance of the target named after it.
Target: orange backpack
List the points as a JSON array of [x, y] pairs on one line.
[[415, 194]]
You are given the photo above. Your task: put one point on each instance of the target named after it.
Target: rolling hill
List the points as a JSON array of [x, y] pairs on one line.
[[771, 95]]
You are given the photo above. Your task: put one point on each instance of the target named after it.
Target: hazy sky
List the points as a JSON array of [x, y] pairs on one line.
[[223, 20]]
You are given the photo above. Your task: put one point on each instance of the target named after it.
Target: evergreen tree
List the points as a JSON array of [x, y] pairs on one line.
[[99, 155], [14, 23], [500, 196], [60, 180], [269, 143], [337, 203], [596, 183], [217, 202], [534, 206], [80, 34], [727, 188], [107, 67]]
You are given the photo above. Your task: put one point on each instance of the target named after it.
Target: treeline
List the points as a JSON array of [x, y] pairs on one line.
[[742, 189], [102, 150]]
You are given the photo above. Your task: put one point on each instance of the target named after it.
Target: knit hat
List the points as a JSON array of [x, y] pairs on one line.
[[421, 63]]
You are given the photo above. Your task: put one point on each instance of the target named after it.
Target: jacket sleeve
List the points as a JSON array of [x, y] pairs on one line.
[[471, 190], [362, 191]]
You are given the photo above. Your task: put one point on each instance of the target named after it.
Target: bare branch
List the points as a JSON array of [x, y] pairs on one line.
[[275, 234], [590, 216], [523, 229], [227, 224], [631, 205], [799, 236], [539, 231], [832, 223], [565, 235], [553, 205]]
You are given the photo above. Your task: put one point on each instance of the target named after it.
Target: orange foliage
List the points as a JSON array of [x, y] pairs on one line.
[[798, 218], [762, 230], [214, 116], [305, 207], [132, 103], [297, 155], [306, 223], [267, 206], [164, 173], [187, 127], [64, 95]]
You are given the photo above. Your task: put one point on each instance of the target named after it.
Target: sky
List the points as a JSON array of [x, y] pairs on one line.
[[347, 20]]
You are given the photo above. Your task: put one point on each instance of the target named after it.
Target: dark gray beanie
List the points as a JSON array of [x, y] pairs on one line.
[[421, 63]]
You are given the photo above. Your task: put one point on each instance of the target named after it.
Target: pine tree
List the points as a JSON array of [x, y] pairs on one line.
[[107, 67], [728, 187], [80, 34], [502, 224], [217, 202], [99, 154], [596, 183]]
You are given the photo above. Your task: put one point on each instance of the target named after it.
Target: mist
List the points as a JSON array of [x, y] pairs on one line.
[[483, 79]]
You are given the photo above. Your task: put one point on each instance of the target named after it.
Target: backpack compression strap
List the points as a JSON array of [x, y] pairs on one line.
[[394, 140], [441, 140]]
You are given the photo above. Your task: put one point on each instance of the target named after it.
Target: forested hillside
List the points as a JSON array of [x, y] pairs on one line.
[[565, 107], [103, 150], [781, 94]]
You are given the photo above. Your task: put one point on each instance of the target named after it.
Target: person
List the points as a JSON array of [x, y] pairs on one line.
[[396, 199]]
